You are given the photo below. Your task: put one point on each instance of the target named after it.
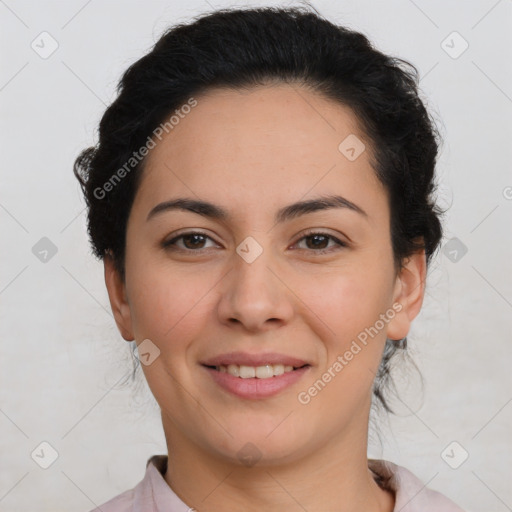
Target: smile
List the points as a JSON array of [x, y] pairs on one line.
[[255, 382]]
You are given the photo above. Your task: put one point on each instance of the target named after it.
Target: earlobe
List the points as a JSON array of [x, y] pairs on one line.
[[409, 293], [118, 300]]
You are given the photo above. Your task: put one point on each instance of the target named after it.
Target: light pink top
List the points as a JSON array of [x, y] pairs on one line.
[[153, 494]]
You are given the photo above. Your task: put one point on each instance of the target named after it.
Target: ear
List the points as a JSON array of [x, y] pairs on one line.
[[408, 295], [118, 300]]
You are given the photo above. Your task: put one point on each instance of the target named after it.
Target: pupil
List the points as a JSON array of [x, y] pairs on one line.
[[316, 237], [196, 237]]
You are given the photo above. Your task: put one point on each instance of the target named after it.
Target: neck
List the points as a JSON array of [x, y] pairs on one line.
[[334, 477]]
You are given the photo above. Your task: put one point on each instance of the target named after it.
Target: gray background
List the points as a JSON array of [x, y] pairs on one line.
[[63, 362]]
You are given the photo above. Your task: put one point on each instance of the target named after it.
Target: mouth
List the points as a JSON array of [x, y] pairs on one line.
[[255, 376]]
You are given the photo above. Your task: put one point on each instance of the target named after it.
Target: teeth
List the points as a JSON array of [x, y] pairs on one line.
[[234, 369], [264, 372], [279, 369], [260, 372], [247, 372]]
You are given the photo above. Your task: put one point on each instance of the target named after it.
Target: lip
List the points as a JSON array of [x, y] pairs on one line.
[[247, 359], [254, 388]]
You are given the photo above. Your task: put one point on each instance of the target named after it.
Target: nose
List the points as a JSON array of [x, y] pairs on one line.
[[254, 295]]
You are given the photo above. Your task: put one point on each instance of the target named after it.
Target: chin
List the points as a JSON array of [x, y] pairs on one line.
[[251, 444]]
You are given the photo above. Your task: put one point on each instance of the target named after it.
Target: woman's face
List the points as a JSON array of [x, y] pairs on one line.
[[256, 289]]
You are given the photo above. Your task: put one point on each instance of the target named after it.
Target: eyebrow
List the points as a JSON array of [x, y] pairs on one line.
[[286, 213]]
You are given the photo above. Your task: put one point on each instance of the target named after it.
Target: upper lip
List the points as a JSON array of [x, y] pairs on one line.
[[246, 359]]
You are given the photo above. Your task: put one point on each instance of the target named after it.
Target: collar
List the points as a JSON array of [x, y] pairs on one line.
[[411, 495]]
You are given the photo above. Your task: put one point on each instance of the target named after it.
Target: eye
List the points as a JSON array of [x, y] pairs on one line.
[[192, 241], [320, 242]]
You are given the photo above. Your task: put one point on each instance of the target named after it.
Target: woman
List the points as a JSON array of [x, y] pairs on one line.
[[261, 195]]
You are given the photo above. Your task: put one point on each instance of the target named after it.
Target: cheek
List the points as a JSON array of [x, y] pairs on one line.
[[348, 306], [168, 306], [346, 301], [172, 312], [349, 302]]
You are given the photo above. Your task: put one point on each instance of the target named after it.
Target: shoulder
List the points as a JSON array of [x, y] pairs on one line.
[[149, 494], [411, 494], [121, 503]]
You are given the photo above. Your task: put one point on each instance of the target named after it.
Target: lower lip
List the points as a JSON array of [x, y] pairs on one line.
[[255, 388]]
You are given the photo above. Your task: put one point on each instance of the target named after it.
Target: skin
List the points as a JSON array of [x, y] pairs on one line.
[[253, 152]]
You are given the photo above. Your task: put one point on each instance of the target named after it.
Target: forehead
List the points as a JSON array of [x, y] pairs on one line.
[[268, 144]]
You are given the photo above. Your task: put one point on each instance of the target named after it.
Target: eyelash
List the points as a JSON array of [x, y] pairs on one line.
[[169, 244]]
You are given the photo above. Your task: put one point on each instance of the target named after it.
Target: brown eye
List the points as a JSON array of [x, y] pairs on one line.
[[192, 241], [319, 242]]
